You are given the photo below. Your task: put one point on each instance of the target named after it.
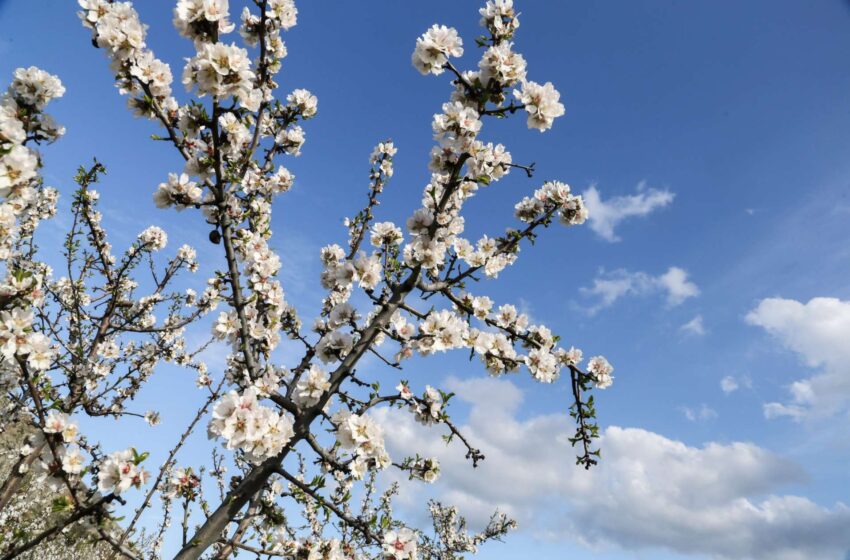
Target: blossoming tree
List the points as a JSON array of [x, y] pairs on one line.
[[301, 435]]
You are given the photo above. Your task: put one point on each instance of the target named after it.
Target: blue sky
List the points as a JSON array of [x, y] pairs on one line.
[[738, 110]]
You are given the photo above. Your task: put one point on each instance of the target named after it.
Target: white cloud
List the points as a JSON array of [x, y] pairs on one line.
[[778, 410], [611, 286], [694, 326], [606, 215], [679, 288], [818, 332], [703, 413], [648, 492], [729, 384]]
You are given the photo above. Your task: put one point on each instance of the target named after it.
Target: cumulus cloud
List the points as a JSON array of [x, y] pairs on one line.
[[694, 326], [817, 332], [609, 287], [649, 492], [606, 215]]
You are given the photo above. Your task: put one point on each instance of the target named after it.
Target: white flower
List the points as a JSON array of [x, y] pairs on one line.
[[11, 128], [419, 222], [73, 460], [220, 70], [178, 191], [334, 346], [385, 233], [119, 472], [16, 168], [291, 139], [187, 253], [427, 470], [456, 119], [367, 271], [246, 424], [433, 407], [571, 357], [542, 104], [152, 418], [305, 102], [191, 17], [501, 64], [442, 330], [543, 365], [226, 325], [311, 387], [60, 423], [400, 545], [284, 11], [41, 352], [360, 432], [601, 371], [35, 87], [116, 25], [404, 391], [183, 482], [499, 17], [153, 72], [481, 306], [434, 48], [573, 212], [153, 238]]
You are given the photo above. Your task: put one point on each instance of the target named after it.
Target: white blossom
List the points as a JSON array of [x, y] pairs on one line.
[[434, 48], [119, 472], [541, 103], [601, 371], [400, 544]]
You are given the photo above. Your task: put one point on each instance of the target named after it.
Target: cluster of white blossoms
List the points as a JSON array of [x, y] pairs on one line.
[[441, 331], [19, 341], [502, 65], [311, 387], [62, 457], [202, 19], [382, 157], [385, 234], [360, 433], [117, 30], [183, 483], [334, 346], [120, 471], [553, 196], [542, 104], [601, 371], [341, 273], [23, 204], [426, 469], [401, 544], [153, 238], [222, 71], [245, 424], [304, 102], [500, 18], [179, 191], [429, 409], [435, 47], [282, 544]]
